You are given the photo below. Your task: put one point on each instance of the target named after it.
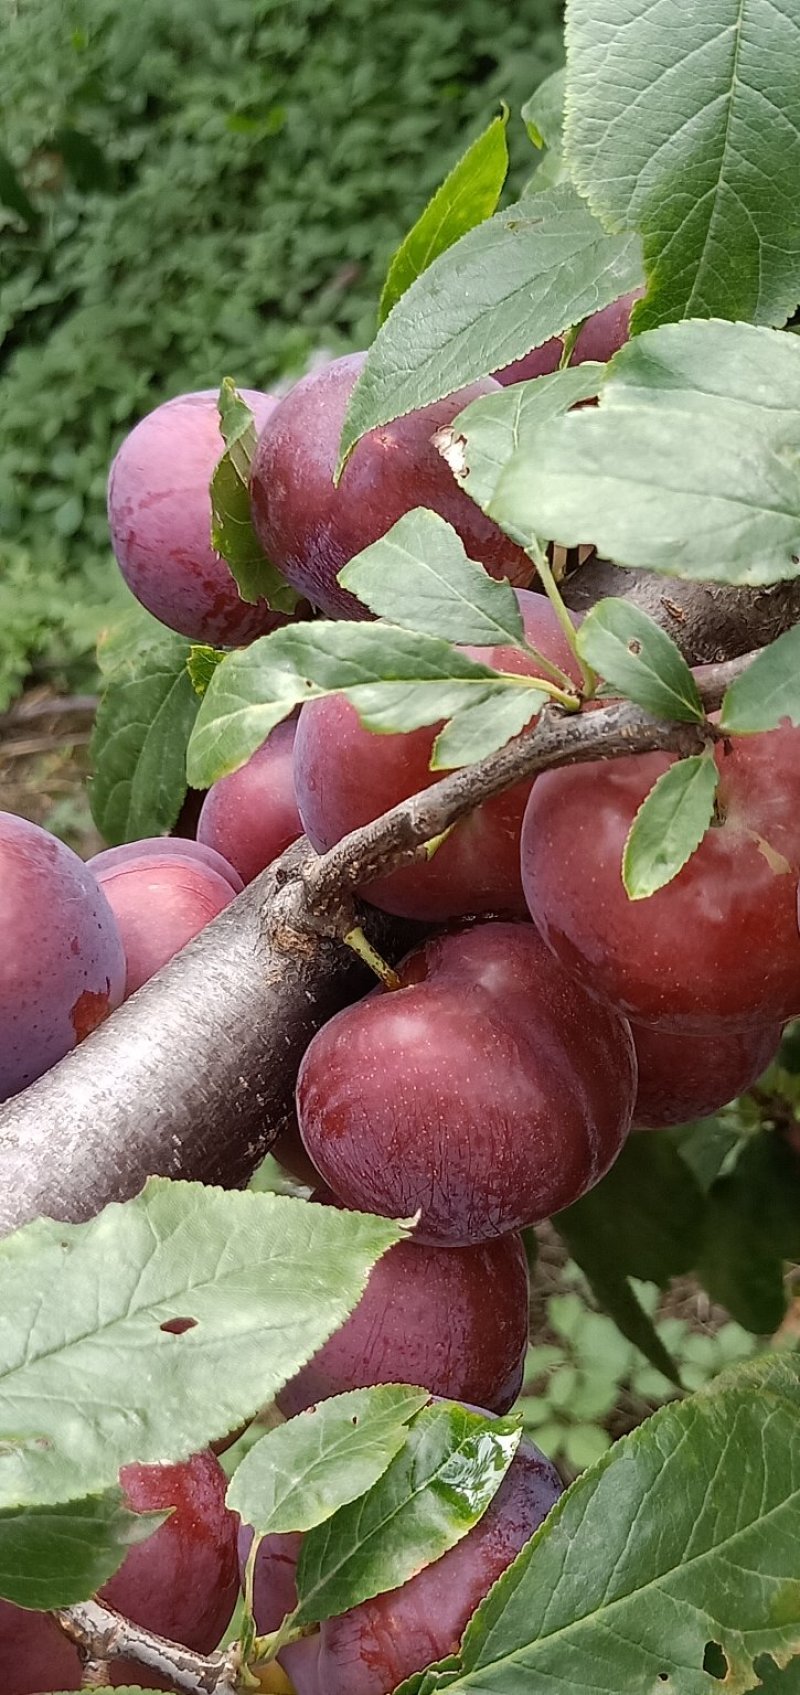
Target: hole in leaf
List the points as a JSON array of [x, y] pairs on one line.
[[177, 1326], [714, 1662], [663, 1677]]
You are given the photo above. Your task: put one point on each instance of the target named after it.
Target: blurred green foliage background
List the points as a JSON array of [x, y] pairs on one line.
[[195, 188]]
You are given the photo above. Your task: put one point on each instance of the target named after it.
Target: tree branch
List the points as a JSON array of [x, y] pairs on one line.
[[708, 621], [194, 1076], [102, 1634]]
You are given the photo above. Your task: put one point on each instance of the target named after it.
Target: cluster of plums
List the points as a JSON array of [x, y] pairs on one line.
[[183, 1583], [545, 1017]]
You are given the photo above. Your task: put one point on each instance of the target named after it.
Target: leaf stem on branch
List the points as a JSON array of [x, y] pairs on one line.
[[268, 970], [537, 553]]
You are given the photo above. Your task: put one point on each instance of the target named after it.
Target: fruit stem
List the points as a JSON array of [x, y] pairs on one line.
[[265, 1648], [248, 1631], [537, 553], [360, 944]]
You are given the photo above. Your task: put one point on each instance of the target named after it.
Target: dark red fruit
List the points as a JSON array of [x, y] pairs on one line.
[[34, 1654], [487, 1092], [345, 776], [683, 1076], [62, 966], [598, 338], [160, 902], [718, 943], [310, 529], [181, 1583], [251, 817], [372, 1648], [169, 847], [159, 510], [454, 1320]]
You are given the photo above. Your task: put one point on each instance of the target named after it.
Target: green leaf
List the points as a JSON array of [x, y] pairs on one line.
[[14, 195], [232, 533], [543, 117], [685, 1533], [141, 734], [437, 1488], [706, 1146], [645, 1218], [691, 136], [522, 276], [612, 1291], [485, 436], [669, 825], [467, 196], [585, 1443], [543, 113], [90, 1380], [418, 577], [300, 1474], [87, 164], [752, 1227], [768, 691], [637, 658], [55, 1555], [479, 729], [396, 679], [689, 464], [201, 665]]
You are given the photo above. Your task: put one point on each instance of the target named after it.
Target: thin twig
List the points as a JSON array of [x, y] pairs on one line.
[[104, 1635], [399, 836]]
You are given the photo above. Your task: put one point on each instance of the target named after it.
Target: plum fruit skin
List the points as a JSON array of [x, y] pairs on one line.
[[171, 847], [181, 1583], [452, 1319], [310, 529], [487, 1093], [684, 1076], [372, 1648], [63, 967], [251, 816], [160, 903], [346, 776], [602, 335], [159, 512], [718, 943]]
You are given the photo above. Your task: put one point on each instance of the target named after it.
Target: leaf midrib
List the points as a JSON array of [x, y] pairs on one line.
[[655, 1584], [379, 1527]]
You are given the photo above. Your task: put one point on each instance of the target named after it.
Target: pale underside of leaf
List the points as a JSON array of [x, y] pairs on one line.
[[419, 577], [486, 435], [89, 1378], [769, 690], [301, 1473], [697, 482]]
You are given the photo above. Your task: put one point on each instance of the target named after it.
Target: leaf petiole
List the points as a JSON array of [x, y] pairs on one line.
[[570, 338], [537, 553]]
